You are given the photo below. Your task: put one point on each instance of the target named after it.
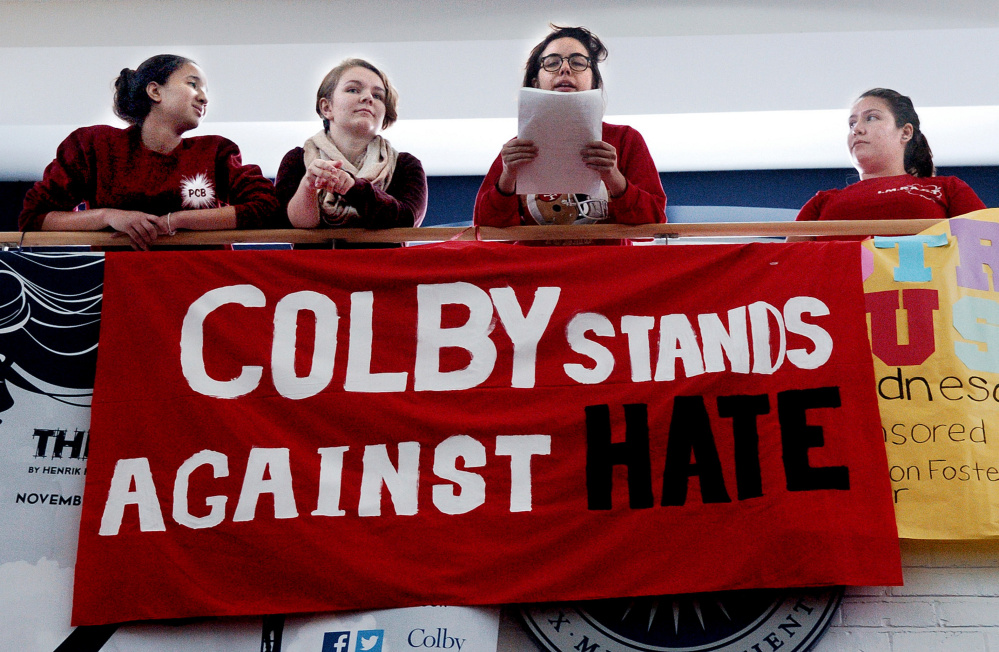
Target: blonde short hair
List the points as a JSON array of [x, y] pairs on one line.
[[332, 78]]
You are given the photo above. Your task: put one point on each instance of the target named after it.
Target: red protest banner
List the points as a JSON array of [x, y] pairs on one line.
[[285, 431]]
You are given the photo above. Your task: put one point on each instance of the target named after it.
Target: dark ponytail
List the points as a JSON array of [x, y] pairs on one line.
[[131, 102], [919, 156], [918, 159]]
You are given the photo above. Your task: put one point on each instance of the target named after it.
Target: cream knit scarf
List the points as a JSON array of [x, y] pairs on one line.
[[377, 167]]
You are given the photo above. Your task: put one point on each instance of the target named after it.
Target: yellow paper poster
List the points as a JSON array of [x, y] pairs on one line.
[[933, 311]]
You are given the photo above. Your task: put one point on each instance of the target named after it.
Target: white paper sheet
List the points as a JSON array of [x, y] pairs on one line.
[[560, 124]]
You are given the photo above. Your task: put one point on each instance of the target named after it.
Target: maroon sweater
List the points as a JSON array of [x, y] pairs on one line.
[[893, 198], [402, 204], [643, 201], [107, 167]]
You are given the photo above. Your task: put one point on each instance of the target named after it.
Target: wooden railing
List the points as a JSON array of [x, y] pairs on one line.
[[103, 239]]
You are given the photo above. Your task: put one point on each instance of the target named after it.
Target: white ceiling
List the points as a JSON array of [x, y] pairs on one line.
[[728, 84]]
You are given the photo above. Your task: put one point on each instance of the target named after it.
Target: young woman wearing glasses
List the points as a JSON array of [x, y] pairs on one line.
[[567, 61]]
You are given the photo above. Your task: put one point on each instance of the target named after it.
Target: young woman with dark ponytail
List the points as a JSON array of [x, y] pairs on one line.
[[897, 176], [147, 180]]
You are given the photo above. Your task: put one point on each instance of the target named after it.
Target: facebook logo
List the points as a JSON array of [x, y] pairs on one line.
[[336, 642], [370, 640]]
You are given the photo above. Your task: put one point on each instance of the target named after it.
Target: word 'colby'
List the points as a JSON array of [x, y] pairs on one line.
[[745, 338]]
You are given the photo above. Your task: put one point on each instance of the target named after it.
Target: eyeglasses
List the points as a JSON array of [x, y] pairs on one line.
[[577, 62]]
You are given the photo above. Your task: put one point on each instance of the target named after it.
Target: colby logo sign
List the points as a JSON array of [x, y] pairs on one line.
[[438, 638]]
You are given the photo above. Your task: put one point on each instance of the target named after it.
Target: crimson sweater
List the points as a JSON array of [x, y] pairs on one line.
[[107, 167], [402, 204], [893, 198], [643, 201]]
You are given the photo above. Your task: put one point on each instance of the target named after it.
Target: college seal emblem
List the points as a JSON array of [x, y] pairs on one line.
[[760, 620]]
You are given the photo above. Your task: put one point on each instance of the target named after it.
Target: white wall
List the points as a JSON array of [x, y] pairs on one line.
[[950, 603], [730, 84]]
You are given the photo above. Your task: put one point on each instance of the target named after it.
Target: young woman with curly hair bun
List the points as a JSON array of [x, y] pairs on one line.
[[148, 180]]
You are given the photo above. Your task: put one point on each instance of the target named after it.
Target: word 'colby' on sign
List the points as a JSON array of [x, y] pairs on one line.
[[677, 341]]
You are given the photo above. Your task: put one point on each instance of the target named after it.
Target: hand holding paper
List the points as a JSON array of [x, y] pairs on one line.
[[515, 154]]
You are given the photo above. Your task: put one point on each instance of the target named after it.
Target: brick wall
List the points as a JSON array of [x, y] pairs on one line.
[[949, 603]]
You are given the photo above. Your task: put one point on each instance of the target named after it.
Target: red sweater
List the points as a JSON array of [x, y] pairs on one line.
[[894, 198], [107, 167], [402, 204], [643, 202]]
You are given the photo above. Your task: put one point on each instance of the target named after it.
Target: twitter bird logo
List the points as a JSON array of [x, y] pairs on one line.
[[370, 640]]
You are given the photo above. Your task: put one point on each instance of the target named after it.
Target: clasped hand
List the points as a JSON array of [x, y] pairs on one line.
[[141, 228], [329, 176]]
